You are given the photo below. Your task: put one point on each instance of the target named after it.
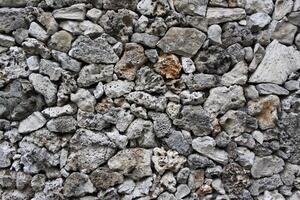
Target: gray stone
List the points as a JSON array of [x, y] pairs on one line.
[[78, 184], [245, 157], [35, 47], [33, 122], [142, 188], [152, 55], [51, 69], [284, 32], [53, 112], [99, 90], [138, 128], [259, 53], [238, 75], [44, 86], [279, 62], [161, 123], [94, 14], [63, 124], [191, 7], [14, 18], [84, 100], [6, 40], [93, 51], [269, 183], [207, 147], [222, 99], [149, 81], [135, 162], [121, 141], [221, 15], [182, 191], [89, 150], [188, 65], [147, 100], [153, 8], [196, 82], [7, 152], [115, 4], [267, 166], [177, 141], [49, 23], [85, 27], [132, 59], [15, 103], [282, 8], [94, 73], [214, 33], [33, 62], [183, 175], [37, 31], [195, 119], [126, 187], [61, 41], [197, 22], [66, 61], [294, 18], [168, 181], [269, 88], [192, 98], [145, 39], [91, 121], [74, 12], [237, 122], [196, 161], [233, 33], [175, 41], [253, 6], [258, 21], [115, 89], [295, 196], [292, 85]]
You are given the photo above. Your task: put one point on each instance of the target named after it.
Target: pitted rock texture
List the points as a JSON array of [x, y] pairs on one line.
[[150, 99]]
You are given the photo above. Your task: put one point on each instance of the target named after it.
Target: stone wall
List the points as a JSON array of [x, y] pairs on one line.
[[149, 99]]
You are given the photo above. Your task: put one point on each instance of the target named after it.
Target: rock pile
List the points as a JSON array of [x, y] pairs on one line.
[[150, 99]]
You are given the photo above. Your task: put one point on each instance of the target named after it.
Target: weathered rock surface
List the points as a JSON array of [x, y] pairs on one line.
[[93, 51], [175, 41], [221, 15], [279, 62]]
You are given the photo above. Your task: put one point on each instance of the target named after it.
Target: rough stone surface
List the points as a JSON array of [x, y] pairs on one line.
[[149, 99], [175, 41], [276, 67]]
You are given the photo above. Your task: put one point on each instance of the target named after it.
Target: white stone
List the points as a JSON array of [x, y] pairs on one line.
[[33, 122]]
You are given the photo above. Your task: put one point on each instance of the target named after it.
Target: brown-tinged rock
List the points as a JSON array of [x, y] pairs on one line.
[[103, 178], [168, 65], [132, 59], [204, 190], [265, 110]]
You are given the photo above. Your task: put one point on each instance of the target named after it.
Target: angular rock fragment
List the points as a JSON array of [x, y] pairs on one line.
[[149, 81], [265, 110], [279, 62], [266, 166], [74, 12], [35, 47], [135, 162], [195, 119], [66, 61], [221, 15], [168, 66], [37, 31], [191, 7], [89, 150], [238, 75], [221, 99], [63, 124], [116, 4], [94, 73], [84, 100], [269, 88], [14, 18], [7, 153], [44, 86], [78, 184], [145, 39], [147, 100], [132, 59], [33, 122], [196, 82], [103, 178], [263, 184], [179, 142], [206, 146], [182, 41], [93, 51], [115, 89], [237, 122], [252, 6], [51, 69]]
